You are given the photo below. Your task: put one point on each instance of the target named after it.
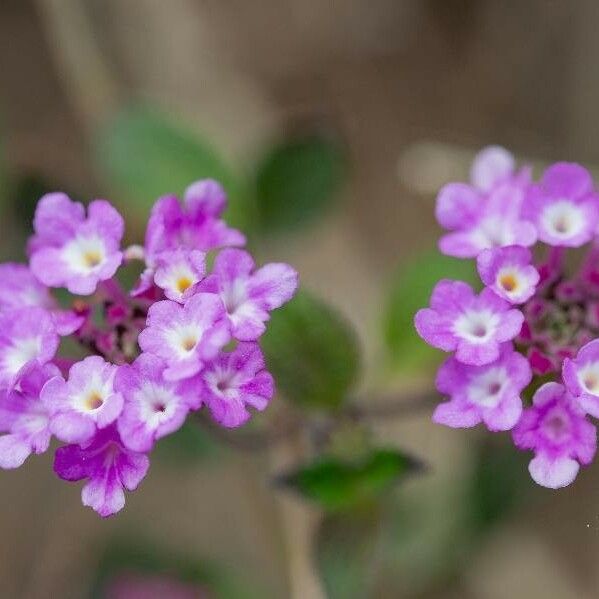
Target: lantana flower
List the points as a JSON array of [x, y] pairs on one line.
[[153, 354], [556, 429], [154, 407], [87, 401], [473, 326], [72, 251], [234, 381], [249, 295], [489, 394], [108, 468], [551, 329], [25, 417], [185, 336]]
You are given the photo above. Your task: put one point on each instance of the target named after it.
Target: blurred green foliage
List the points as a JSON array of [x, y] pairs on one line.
[[410, 290], [336, 483], [297, 180], [186, 446], [146, 155], [312, 352], [125, 556]]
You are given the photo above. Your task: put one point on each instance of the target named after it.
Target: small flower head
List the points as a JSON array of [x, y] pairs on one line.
[[154, 407], [564, 207], [581, 377], [87, 401], [185, 336], [235, 381], [72, 251], [508, 272], [27, 336], [20, 289], [556, 429], [489, 394], [178, 272], [196, 225], [25, 417], [108, 467], [247, 294], [474, 326]]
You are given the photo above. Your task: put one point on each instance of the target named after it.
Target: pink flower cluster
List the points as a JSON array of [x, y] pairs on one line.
[[533, 331], [181, 340]]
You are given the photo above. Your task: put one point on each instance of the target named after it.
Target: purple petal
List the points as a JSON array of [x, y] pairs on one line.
[[566, 179], [13, 451], [456, 414], [553, 473], [491, 166]]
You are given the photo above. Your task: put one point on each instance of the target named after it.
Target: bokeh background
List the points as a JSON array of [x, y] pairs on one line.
[[332, 125]]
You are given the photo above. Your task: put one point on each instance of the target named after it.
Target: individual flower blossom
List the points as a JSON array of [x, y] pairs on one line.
[[19, 289], [108, 467], [27, 336], [72, 251], [154, 407], [563, 206], [25, 417], [581, 377], [556, 429], [234, 381], [197, 225], [185, 336], [508, 272], [247, 294], [489, 394], [474, 326], [479, 223], [87, 401], [178, 272], [491, 166]]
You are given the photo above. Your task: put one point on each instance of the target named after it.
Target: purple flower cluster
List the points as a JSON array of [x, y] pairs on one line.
[[182, 339], [526, 349]]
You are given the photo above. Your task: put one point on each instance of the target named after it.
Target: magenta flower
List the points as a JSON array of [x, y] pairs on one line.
[[234, 381], [508, 272], [185, 336], [564, 207], [19, 289], [489, 394], [248, 295], [556, 429], [84, 403], [108, 467], [581, 377], [154, 407], [477, 223], [72, 251], [194, 226], [474, 326], [492, 166], [25, 417], [27, 336], [178, 272]]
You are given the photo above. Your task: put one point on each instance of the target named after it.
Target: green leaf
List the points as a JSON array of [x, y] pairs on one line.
[[338, 484], [410, 290], [146, 156], [297, 180], [312, 352]]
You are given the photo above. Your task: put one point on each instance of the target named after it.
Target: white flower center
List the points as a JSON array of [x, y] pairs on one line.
[[223, 382], [486, 389], [509, 280], [181, 278], [156, 403], [21, 352], [84, 255], [184, 339], [476, 326], [493, 232], [563, 219], [588, 377], [91, 399]]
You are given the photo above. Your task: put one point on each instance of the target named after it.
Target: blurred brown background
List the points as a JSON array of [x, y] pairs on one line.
[[413, 88]]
